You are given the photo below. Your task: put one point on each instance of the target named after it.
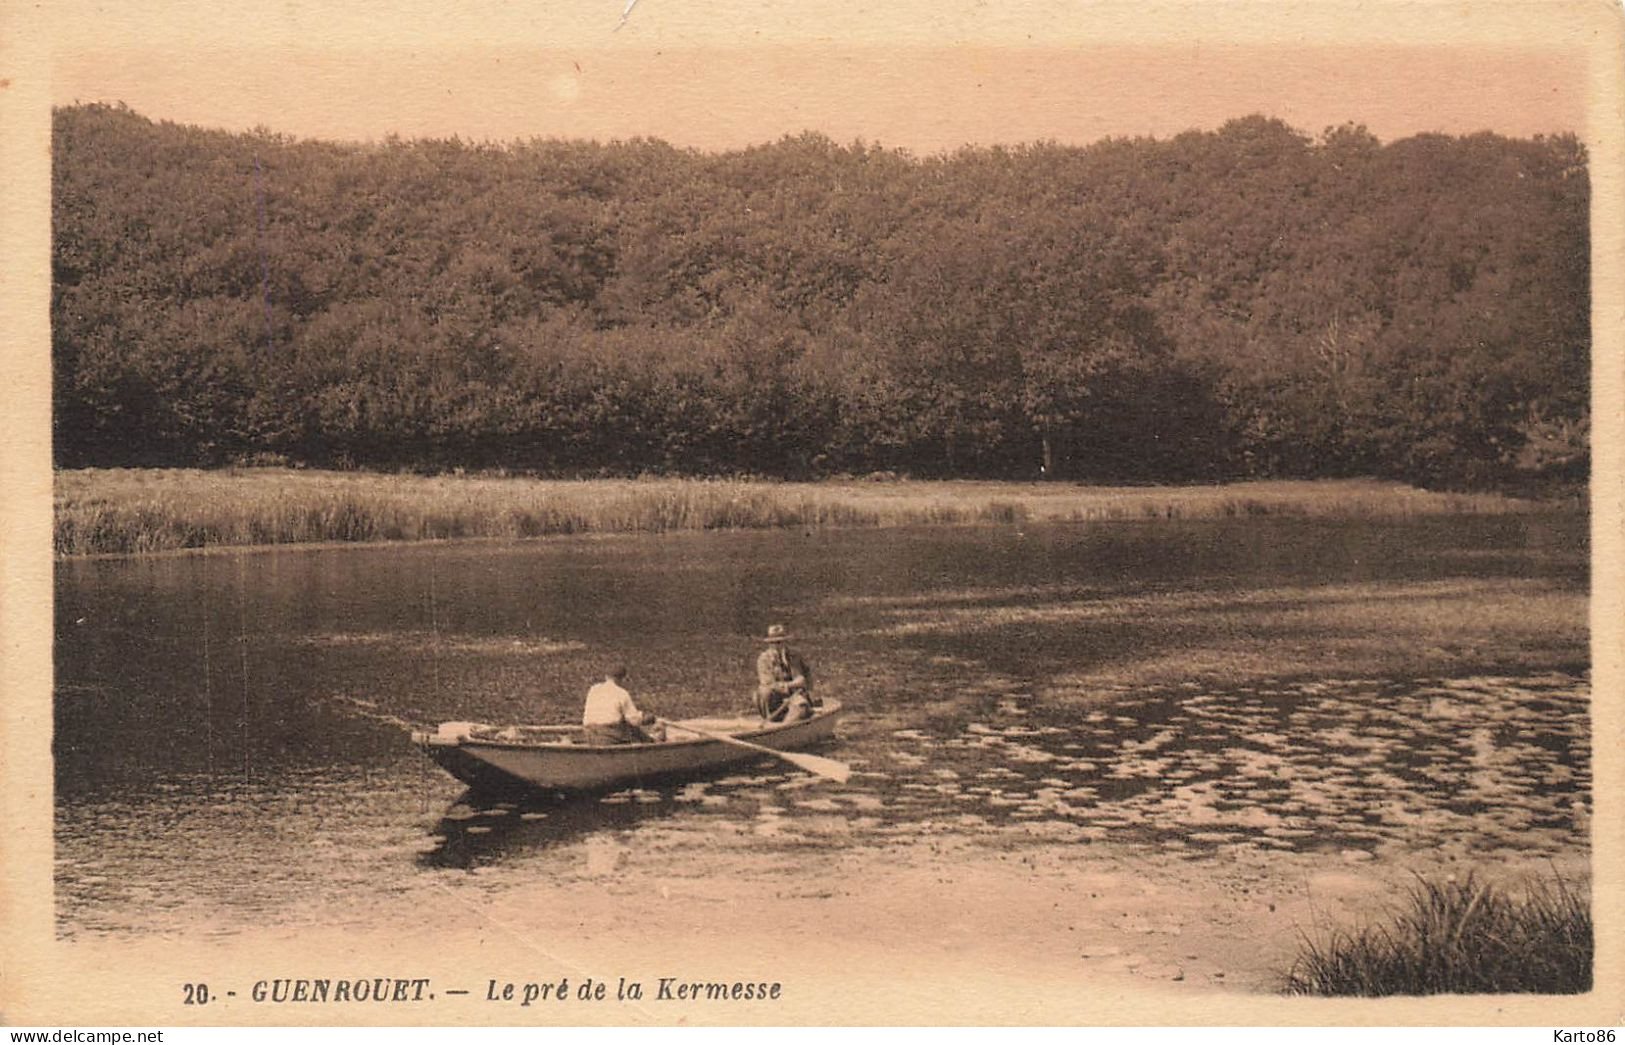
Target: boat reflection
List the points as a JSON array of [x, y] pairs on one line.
[[481, 828]]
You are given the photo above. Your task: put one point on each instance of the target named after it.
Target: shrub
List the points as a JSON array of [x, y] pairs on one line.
[[1459, 937]]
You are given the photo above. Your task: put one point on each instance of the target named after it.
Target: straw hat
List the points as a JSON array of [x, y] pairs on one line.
[[777, 633]]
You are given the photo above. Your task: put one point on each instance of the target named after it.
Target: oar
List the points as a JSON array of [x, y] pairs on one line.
[[824, 767]]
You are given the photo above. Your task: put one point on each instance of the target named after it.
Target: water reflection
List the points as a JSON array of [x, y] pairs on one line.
[[481, 829]]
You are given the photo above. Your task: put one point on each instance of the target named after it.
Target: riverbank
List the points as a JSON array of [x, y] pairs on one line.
[[139, 511]]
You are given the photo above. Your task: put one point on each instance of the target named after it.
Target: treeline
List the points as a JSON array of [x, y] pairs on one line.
[[1249, 301]]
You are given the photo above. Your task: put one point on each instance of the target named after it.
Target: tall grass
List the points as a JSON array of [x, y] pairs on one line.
[[120, 511], [1459, 937]]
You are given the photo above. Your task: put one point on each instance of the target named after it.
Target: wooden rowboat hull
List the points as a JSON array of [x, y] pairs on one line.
[[489, 763]]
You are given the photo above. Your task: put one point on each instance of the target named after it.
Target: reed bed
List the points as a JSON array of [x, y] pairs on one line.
[[1460, 937], [120, 511]]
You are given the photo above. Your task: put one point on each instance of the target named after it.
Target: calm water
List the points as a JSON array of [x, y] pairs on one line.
[[227, 758]]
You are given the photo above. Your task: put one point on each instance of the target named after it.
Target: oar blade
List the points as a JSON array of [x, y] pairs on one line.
[[824, 767]]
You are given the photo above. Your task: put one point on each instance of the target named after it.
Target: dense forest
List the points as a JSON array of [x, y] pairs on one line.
[[1250, 301]]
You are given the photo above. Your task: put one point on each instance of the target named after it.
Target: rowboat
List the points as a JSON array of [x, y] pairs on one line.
[[555, 758]]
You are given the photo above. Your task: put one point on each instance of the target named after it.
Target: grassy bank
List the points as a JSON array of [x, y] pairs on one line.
[[1460, 937], [100, 511]]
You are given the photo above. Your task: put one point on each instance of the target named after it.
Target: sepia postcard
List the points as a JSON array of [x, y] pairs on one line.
[[627, 512]]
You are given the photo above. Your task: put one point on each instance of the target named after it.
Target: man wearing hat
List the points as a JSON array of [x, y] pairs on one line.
[[783, 680]]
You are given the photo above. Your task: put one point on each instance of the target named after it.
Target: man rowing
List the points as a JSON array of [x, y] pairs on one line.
[[783, 680], [610, 717]]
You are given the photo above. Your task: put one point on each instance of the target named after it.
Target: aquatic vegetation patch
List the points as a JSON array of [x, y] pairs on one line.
[[444, 643], [1330, 765]]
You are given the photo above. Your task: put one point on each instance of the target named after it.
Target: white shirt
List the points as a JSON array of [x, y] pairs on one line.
[[607, 704]]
